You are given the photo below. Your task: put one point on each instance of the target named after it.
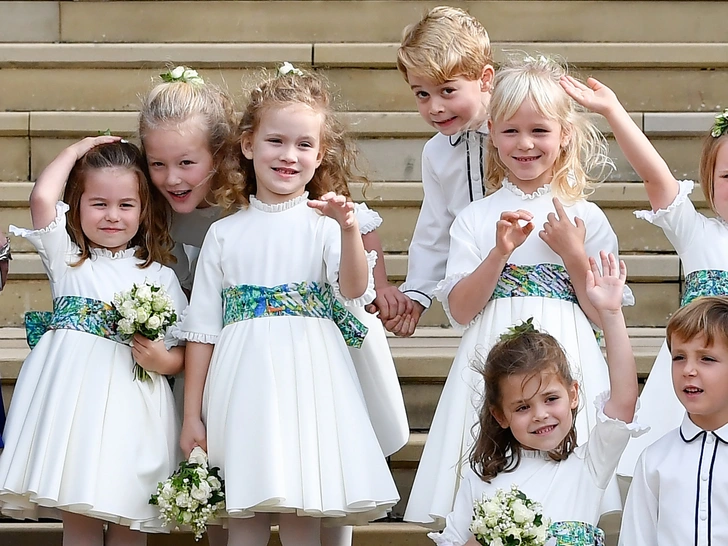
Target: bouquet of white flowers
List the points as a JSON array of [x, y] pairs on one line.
[[510, 518], [146, 309], [191, 496]]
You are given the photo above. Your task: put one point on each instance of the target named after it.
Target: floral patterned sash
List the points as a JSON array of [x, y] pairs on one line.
[[705, 282], [574, 533], [541, 280], [74, 313], [304, 299]]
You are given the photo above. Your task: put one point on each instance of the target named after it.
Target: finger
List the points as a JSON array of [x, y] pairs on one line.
[[528, 228], [327, 196], [524, 215], [408, 328], [400, 304], [622, 271], [590, 280], [371, 309], [594, 84], [551, 218], [579, 222], [594, 268], [383, 307], [606, 269], [509, 216], [559, 208]]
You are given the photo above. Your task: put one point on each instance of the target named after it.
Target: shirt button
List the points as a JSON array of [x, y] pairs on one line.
[[703, 515], [709, 440], [704, 477]]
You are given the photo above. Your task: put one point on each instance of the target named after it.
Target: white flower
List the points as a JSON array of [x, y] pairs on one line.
[[521, 514], [127, 310], [287, 67], [182, 499], [154, 322], [177, 72], [214, 482], [160, 302], [142, 315], [126, 326], [202, 492], [144, 293], [198, 456]]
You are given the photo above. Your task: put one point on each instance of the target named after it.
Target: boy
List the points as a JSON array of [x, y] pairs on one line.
[[679, 494], [446, 60]]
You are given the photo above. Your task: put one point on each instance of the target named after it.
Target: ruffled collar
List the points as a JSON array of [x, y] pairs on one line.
[[535, 454], [510, 186], [98, 252], [278, 207]]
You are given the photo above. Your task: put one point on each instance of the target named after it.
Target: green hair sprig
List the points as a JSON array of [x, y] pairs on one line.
[[517, 330], [182, 74], [105, 133], [720, 126]]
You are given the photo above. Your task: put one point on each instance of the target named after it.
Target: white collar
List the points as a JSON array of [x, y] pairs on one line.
[[689, 431]]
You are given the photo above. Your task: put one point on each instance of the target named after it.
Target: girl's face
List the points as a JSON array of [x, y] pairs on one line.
[[285, 150], [720, 181], [181, 164], [528, 144], [110, 207], [537, 408]]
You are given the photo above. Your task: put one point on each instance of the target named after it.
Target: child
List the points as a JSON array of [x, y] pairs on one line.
[[270, 390], [678, 494], [527, 420], [85, 442], [498, 272], [184, 123], [446, 60], [700, 242]]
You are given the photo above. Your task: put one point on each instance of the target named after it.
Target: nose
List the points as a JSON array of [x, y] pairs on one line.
[[287, 154], [172, 178], [540, 412], [112, 214], [436, 106], [524, 142], [689, 368]]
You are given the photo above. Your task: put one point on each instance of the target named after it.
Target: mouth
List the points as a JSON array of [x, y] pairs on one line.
[[544, 430], [527, 159], [444, 122], [285, 171], [691, 390], [179, 195], [112, 230]]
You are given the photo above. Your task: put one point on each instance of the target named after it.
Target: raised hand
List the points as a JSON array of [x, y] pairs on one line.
[[604, 289], [563, 237], [595, 96], [336, 207], [510, 234], [80, 148]]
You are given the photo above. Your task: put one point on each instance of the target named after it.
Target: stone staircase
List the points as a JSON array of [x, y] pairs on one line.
[[72, 68]]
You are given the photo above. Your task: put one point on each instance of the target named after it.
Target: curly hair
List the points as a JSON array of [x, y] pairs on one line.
[[153, 241], [529, 354], [339, 162]]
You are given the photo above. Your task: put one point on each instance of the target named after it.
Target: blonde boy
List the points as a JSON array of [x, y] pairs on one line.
[[679, 494], [446, 60]]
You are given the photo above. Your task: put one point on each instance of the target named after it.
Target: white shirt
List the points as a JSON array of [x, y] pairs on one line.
[[452, 177], [679, 494]]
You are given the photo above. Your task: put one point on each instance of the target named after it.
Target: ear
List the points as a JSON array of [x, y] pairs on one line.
[[499, 417], [574, 395], [486, 79], [490, 132], [246, 145], [320, 156], [565, 137]]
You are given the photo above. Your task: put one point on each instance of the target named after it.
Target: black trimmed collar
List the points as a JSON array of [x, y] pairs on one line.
[[457, 138], [689, 431]]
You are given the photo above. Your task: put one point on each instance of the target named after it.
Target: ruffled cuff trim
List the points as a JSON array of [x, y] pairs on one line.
[[369, 294], [58, 222], [636, 429], [627, 296], [368, 219], [685, 188], [442, 539], [196, 337], [442, 293]]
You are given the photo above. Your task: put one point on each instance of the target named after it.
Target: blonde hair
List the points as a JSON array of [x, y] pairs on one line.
[[173, 103], [537, 80], [706, 169], [338, 164], [705, 316], [446, 43]]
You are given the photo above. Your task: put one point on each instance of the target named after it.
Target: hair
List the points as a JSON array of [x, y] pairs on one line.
[[153, 242], [706, 316], [528, 353], [338, 164], [706, 170], [537, 80], [446, 43], [171, 104]]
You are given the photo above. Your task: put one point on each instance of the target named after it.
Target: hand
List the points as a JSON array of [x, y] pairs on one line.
[[336, 207], [80, 148], [597, 97], [149, 354], [389, 303], [405, 325], [509, 234], [193, 434], [604, 289], [563, 237]]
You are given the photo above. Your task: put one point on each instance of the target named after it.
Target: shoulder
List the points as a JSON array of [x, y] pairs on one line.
[[436, 145]]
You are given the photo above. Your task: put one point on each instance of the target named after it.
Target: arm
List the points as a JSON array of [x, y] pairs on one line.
[[661, 186], [49, 186], [605, 292], [197, 362]]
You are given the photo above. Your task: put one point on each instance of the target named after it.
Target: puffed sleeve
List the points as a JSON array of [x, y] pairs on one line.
[[53, 244], [457, 524], [202, 322], [464, 257], [368, 219], [639, 518], [428, 251]]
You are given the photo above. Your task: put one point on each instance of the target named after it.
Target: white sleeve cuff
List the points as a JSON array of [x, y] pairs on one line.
[[368, 219], [369, 294], [685, 188], [442, 293]]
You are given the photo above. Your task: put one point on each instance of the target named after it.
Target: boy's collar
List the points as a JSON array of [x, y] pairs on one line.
[[689, 431], [458, 137]]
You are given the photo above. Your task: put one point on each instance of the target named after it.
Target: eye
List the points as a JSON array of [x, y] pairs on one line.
[[156, 164], [509, 131], [273, 140], [541, 130], [552, 398], [421, 94], [187, 162], [98, 205], [521, 409], [127, 205], [708, 358], [448, 91], [678, 358], [306, 145]]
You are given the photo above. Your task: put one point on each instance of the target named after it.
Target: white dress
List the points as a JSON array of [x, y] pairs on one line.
[[285, 416], [82, 434], [569, 490], [702, 245], [472, 238]]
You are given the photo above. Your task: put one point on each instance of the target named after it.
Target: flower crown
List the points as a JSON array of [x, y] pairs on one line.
[[720, 126], [182, 74], [517, 330], [288, 68]]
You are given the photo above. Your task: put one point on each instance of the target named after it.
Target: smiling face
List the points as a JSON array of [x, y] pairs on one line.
[[110, 207], [537, 408], [286, 151], [528, 145], [454, 105], [700, 379], [180, 164]]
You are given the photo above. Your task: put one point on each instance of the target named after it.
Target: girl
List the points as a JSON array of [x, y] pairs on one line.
[[185, 125], [527, 420], [282, 412], [85, 441], [498, 272], [700, 242]]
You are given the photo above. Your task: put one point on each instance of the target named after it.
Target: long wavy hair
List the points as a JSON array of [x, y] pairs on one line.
[[529, 354], [153, 242], [339, 163]]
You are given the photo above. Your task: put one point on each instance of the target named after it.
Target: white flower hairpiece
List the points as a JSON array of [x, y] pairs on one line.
[[542, 60], [182, 74], [288, 68], [720, 126]]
